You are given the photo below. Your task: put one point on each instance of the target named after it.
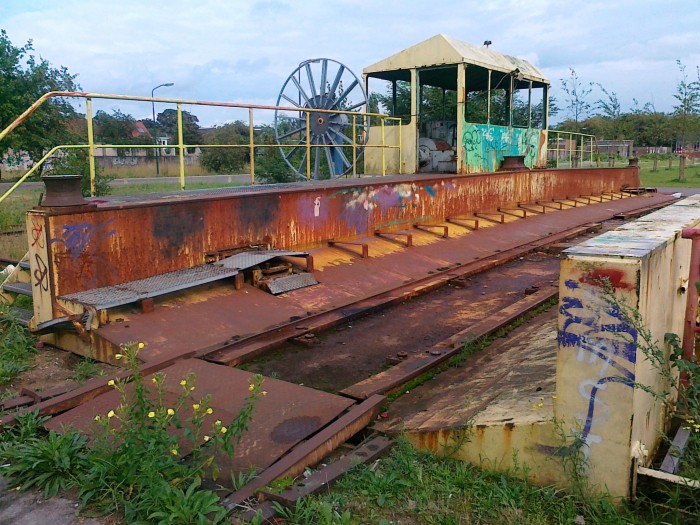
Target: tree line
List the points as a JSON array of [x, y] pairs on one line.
[[642, 123]]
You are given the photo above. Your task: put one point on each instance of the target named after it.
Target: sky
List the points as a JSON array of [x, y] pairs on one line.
[[243, 51]]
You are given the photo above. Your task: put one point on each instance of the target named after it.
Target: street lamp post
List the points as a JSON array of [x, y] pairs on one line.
[[155, 125]]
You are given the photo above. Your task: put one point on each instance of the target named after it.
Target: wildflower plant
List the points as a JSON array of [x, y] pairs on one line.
[[156, 445]]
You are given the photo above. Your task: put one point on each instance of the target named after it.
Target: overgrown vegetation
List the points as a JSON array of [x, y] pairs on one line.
[[16, 346], [146, 457]]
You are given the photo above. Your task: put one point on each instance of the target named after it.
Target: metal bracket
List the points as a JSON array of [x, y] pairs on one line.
[[409, 236], [508, 212], [430, 227], [487, 215], [341, 244], [463, 221]]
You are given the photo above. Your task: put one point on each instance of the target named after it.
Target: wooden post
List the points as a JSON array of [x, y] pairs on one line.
[[681, 168]]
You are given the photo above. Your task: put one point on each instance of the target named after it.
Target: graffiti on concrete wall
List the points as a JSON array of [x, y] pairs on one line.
[[484, 145], [601, 335]]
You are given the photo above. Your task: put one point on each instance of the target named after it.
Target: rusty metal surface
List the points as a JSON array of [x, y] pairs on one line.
[[313, 450], [285, 416], [510, 377], [387, 381], [119, 242], [226, 316]]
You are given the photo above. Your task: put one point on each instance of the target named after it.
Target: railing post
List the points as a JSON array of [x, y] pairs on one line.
[[181, 145], [251, 145], [308, 146], [400, 144], [91, 145], [354, 146], [557, 163], [571, 154], [383, 150]]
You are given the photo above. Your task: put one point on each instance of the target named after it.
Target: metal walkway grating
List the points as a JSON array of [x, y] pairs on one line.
[[244, 260], [130, 292]]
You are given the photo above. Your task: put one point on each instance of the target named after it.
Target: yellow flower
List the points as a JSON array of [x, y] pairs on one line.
[[223, 430], [196, 406], [97, 418], [118, 356], [183, 382], [111, 413], [554, 397], [540, 405], [217, 422], [210, 411], [251, 387], [191, 388], [171, 412], [151, 414], [154, 380], [141, 345], [174, 452], [206, 438], [110, 382]]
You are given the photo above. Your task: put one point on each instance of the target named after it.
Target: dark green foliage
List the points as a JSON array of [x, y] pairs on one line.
[[227, 160], [24, 78], [52, 463], [16, 346]]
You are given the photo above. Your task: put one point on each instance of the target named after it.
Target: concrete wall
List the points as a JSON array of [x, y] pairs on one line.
[[601, 357]]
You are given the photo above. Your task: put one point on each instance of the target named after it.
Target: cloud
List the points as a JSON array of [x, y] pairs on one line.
[[241, 50]]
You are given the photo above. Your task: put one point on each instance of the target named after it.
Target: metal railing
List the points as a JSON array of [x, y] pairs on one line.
[[181, 145], [571, 150]]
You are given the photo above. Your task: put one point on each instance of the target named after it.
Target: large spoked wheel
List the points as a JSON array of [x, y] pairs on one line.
[[321, 84]]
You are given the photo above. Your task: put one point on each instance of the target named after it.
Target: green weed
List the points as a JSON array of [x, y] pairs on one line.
[[85, 369], [16, 346], [147, 457]]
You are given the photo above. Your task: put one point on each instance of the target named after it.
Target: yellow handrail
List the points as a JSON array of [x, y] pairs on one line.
[[577, 146], [91, 146]]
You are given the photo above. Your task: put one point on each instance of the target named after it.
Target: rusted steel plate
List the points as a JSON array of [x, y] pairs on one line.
[[123, 241], [285, 416], [312, 450], [324, 477], [388, 380], [499, 384]]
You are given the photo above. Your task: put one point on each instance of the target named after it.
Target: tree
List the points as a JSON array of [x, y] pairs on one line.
[[576, 101], [24, 78], [227, 160], [191, 132], [117, 128], [686, 112], [609, 106]]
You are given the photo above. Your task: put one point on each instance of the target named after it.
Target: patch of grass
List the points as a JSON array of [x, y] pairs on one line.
[[86, 369], [17, 347], [410, 487], [669, 177]]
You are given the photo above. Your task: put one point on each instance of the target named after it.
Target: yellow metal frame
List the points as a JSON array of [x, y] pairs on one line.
[[91, 146], [579, 151]]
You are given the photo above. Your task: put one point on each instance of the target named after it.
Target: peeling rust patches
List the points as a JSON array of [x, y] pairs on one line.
[[606, 276]]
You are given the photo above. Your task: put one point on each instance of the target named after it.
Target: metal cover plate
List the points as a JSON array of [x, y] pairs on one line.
[[290, 282], [286, 415], [244, 260], [125, 293]]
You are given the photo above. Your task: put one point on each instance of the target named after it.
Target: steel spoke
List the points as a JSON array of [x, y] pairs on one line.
[[294, 131], [302, 93], [294, 150], [344, 95], [334, 86], [324, 71], [311, 80], [355, 106], [316, 164], [329, 159], [339, 150], [301, 164], [342, 135], [293, 102]]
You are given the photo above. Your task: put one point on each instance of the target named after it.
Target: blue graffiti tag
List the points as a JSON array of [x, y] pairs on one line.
[[602, 330], [77, 237]]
